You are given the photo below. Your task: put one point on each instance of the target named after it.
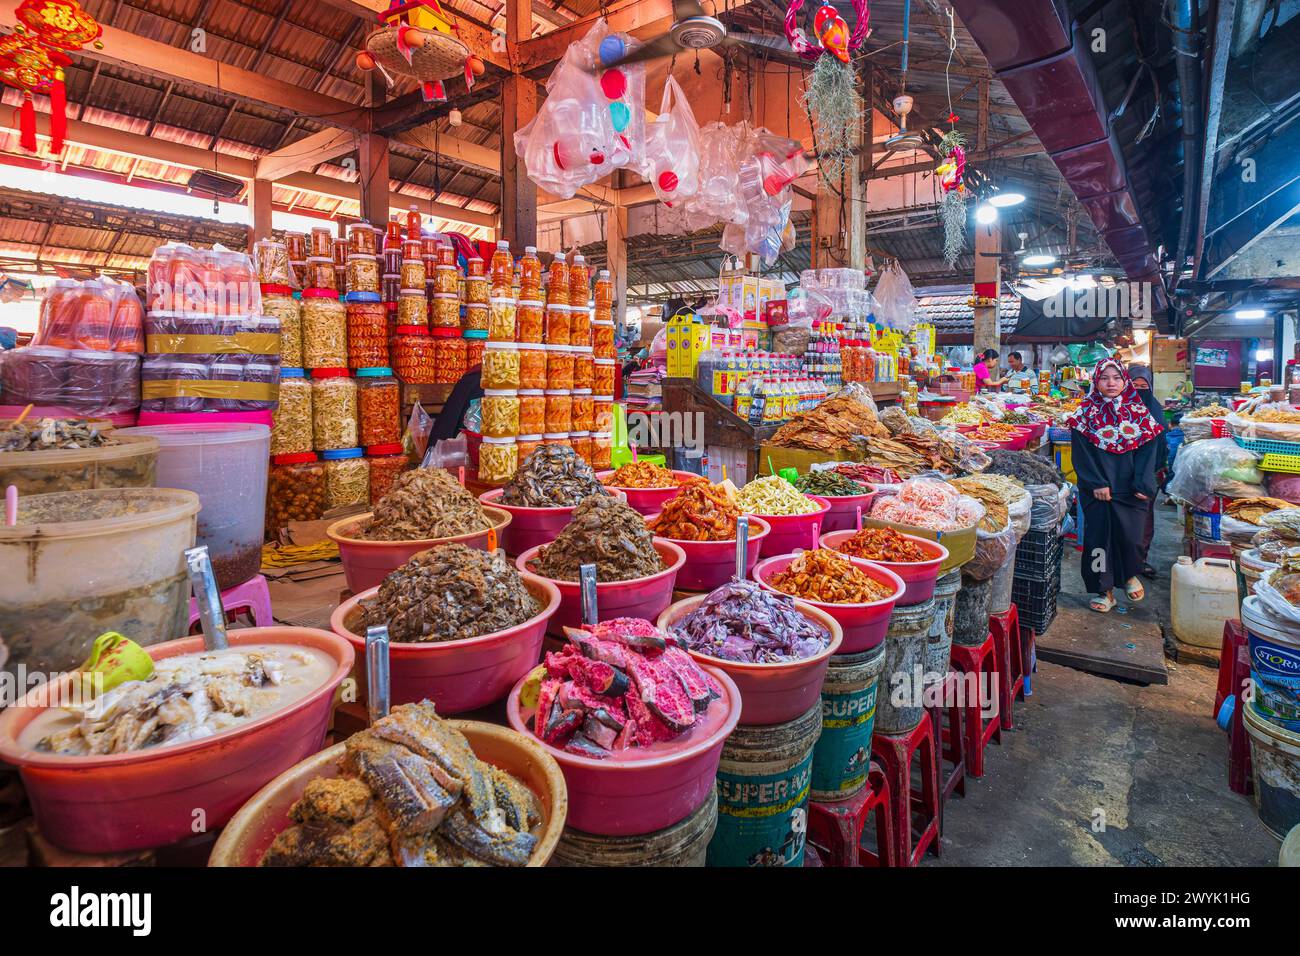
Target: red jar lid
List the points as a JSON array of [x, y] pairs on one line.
[[294, 459], [320, 293], [392, 448], [444, 333], [329, 373], [411, 330], [270, 289]]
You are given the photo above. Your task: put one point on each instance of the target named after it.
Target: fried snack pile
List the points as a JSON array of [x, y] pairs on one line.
[[993, 431], [642, 474], [830, 578], [700, 512], [774, 495], [1251, 510], [883, 544]]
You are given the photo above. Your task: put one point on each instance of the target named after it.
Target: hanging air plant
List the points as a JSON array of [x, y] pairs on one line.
[[951, 174]]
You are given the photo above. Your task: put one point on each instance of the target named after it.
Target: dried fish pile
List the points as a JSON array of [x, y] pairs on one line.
[[451, 593], [50, 433], [552, 477], [604, 532], [623, 684], [831, 426], [411, 793], [425, 503], [741, 621], [994, 500], [910, 453], [1029, 468]]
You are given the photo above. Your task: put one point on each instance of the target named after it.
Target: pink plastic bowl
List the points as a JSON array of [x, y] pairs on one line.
[[918, 576], [456, 675], [844, 511], [790, 532], [1036, 430], [649, 501], [366, 563], [864, 625], [530, 527], [770, 693], [711, 564], [643, 792], [639, 597], [118, 802]]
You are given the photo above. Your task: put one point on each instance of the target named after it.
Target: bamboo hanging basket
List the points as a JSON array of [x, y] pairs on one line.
[[442, 55]]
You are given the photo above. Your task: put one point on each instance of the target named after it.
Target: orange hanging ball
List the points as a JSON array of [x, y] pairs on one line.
[[476, 65], [365, 61], [415, 39]]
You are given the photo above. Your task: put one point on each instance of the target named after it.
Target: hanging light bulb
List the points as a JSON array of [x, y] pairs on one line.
[[985, 214], [1039, 259], [1006, 200], [454, 117]]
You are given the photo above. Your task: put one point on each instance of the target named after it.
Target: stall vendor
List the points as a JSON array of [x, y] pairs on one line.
[[1020, 376], [984, 369]]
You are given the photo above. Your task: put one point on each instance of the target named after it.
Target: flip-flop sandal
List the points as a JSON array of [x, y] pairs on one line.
[[1148, 572], [1134, 590], [1103, 604]]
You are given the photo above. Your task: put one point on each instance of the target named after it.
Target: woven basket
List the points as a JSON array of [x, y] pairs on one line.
[[441, 57]]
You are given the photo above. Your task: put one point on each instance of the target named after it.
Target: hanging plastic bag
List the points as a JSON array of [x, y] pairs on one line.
[[624, 89], [673, 147], [718, 197], [895, 300], [993, 549], [1217, 466]]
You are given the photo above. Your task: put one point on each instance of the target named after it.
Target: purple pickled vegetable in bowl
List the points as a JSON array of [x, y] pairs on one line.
[[744, 623]]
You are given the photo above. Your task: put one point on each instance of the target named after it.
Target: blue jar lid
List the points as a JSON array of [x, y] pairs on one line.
[[290, 372], [337, 454], [373, 372], [363, 297], [475, 333]]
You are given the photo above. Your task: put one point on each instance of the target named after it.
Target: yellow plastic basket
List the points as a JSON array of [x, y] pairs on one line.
[[1286, 463]]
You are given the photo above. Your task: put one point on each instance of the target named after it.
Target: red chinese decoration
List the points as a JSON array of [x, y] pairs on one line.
[[32, 59]]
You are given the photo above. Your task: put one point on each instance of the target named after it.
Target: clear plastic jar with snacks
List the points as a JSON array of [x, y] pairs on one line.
[[532, 411], [603, 380], [449, 356], [498, 460], [559, 410], [500, 365], [476, 290], [580, 327], [532, 365], [362, 239], [390, 288], [557, 325], [341, 252], [291, 422], [278, 303], [602, 413], [347, 478], [296, 244], [476, 317], [367, 331], [322, 244], [602, 449], [527, 445], [602, 338], [474, 266], [584, 367], [412, 308], [412, 273], [581, 443], [320, 273], [556, 438], [500, 413], [559, 367], [446, 311], [363, 274], [501, 320], [392, 260], [386, 463], [295, 491], [413, 355], [333, 409], [324, 329], [584, 410], [379, 407], [529, 316], [271, 260], [446, 280], [475, 343]]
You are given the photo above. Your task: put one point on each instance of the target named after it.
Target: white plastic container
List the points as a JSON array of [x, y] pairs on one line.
[[1203, 595], [225, 465]]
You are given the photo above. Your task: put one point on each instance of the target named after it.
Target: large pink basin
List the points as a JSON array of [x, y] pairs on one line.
[[864, 624], [711, 564], [792, 532], [918, 576], [844, 511], [639, 597], [456, 675], [770, 693], [648, 501], [640, 791], [530, 527], [148, 798]]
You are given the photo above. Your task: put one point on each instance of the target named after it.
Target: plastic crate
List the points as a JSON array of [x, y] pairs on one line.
[[1035, 596], [1056, 433], [1267, 446], [1038, 621], [1038, 557], [1272, 461]]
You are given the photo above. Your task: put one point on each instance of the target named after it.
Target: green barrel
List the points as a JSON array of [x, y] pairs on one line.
[[842, 756]]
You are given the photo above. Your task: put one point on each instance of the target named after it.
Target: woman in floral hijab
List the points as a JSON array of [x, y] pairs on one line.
[[1113, 440]]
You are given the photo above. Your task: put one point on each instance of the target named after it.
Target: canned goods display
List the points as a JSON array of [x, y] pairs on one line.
[[412, 273], [498, 460], [333, 409], [500, 413], [446, 311], [379, 407], [559, 367], [363, 274], [412, 309], [324, 330], [367, 335], [559, 411], [413, 355], [500, 365], [501, 320], [532, 365], [584, 410], [584, 367], [532, 411], [557, 325], [476, 318], [603, 381], [450, 356], [528, 315]]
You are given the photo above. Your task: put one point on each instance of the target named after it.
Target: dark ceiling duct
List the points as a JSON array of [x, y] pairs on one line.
[[1039, 54], [1187, 48]]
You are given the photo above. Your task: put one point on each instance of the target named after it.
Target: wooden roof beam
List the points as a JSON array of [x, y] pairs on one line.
[[305, 153]]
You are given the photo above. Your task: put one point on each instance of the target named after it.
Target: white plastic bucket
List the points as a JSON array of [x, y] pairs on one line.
[[1274, 665]]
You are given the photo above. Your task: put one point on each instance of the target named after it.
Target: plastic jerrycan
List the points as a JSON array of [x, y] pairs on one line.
[[1203, 595]]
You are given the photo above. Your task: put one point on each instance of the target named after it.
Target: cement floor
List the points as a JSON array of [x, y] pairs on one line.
[[1100, 772]]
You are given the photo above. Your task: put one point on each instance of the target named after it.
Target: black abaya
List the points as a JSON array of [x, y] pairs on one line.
[[1113, 530]]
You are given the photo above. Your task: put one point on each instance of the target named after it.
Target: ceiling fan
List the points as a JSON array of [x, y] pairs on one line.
[[693, 29]]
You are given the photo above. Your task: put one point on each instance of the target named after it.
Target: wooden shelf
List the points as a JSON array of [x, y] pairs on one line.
[[722, 426]]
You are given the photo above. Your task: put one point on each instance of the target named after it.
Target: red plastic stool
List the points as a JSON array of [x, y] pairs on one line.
[[977, 664], [1011, 665], [253, 596], [1234, 674], [946, 718], [836, 829], [896, 753]]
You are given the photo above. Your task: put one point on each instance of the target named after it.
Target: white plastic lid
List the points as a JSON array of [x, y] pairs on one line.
[[500, 345], [498, 441], [531, 391], [503, 244], [500, 392]]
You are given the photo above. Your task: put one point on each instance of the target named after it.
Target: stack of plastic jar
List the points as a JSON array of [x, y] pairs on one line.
[[500, 367], [532, 365], [379, 407], [386, 463], [602, 413], [278, 302], [412, 308], [584, 367], [584, 410], [501, 320], [449, 356], [532, 412], [559, 367], [559, 411], [291, 428], [413, 355], [295, 491], [525, 445], [363, 273], [529, 320], [500, 413], [446, 311], [324, 329], [580, 441], [367, 331], [602, 339], [557, 324], [498, 460], [475, 342], [347, 478], [603, 379], [580, 329], [333, 409], [363, 239], [601, 450]]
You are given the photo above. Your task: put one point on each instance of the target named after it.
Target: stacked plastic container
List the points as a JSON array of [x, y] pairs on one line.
[[501, 372]]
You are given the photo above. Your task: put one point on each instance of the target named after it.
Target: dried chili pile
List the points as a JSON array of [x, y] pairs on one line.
[[883, 544], [829, 578], [699, 512]]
